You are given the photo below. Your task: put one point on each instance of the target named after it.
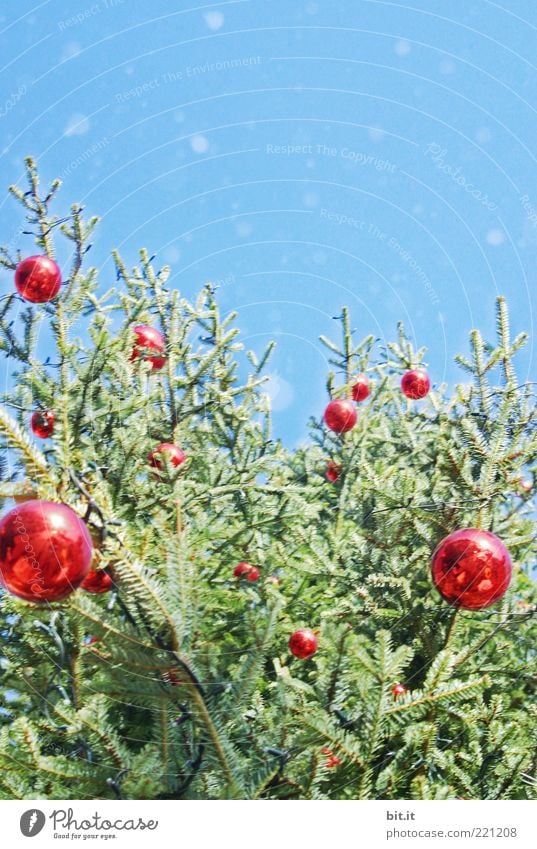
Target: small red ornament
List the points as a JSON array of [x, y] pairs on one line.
[[247, 571], [471, 568], [42, 423], [332, 760], [173, 677], [361, 390], [303, 643], [45, 551], [166, 449], [340, 416], [333, 471], [415, 384], [97, 581], [148, 339], [38, 279], [399, 690], [525, 486]]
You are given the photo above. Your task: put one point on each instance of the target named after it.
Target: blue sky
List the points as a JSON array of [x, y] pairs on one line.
[[302, 155]]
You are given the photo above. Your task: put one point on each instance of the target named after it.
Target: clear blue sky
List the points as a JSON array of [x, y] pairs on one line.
[[303, 154]]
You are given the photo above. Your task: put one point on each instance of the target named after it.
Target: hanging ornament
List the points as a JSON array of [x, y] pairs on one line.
[[333, 471], [42, 423], [471, 568], [332, 760], [166, 450], [173, 677], [274, 580], [38, 279], [360, 390], [340, 415], [147, 340], [415, 384], [399, 690], [97, 581], [45, 551], [247, 571], [525, 485], [303, 643]]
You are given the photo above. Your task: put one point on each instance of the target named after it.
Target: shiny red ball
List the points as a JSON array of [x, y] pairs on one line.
[[415, 384], [333, 471], [340, 416], [38, 279], [303, 643], [471, 568], [97, 581], [247, 571], [166, 449], [361, 390], [399, 690], [45, 551], [42, 423], [147, 340]]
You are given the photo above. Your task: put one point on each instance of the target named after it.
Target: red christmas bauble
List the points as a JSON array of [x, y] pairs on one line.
[[471, 568], [399, 690], [360, 390], [303, 643], [45, 551], [38, 279], [97, 581], [148, 339], [415, 384], [340, 416], [42, 423], [166, 449], [247, 571], [333, 471]]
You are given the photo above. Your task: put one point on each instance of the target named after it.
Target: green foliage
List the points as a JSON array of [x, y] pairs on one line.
[[186, 688]]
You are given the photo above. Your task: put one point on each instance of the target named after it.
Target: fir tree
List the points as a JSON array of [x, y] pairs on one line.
[[179, 682]]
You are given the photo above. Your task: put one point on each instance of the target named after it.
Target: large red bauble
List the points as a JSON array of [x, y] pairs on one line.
[[340, 416], [471, 568], [38, 279], [303, 643], [360, 390], [415, 384], [42, 423], [97, 581], [149, 339], [166, 449], [45, 551], [246, 570], [333, 471]]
